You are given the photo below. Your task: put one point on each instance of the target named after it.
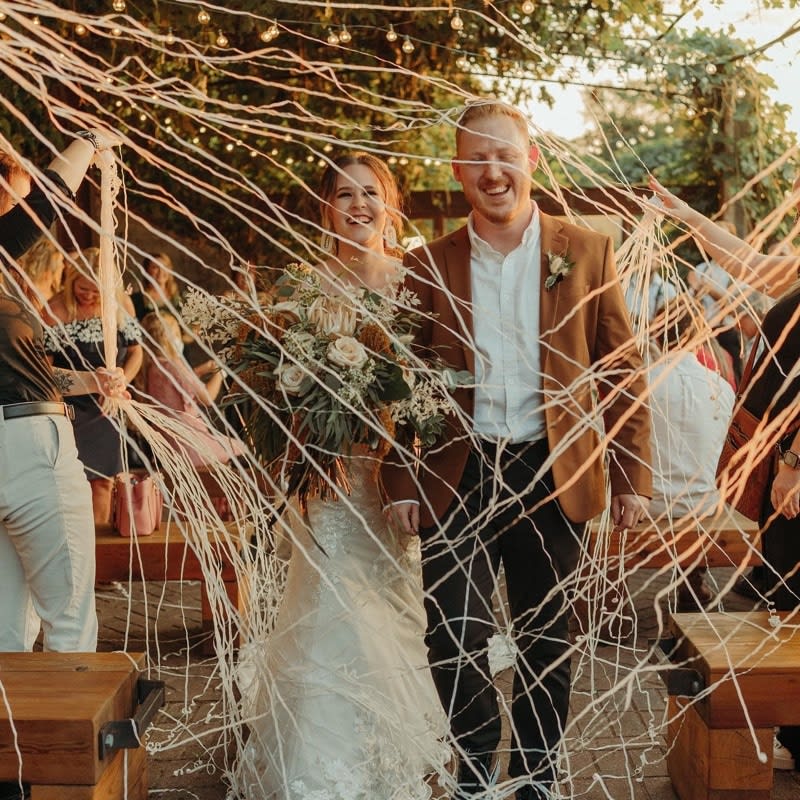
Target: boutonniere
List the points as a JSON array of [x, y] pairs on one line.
[[559, 266]]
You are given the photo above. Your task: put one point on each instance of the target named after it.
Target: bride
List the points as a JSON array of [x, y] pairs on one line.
[[340, 702]]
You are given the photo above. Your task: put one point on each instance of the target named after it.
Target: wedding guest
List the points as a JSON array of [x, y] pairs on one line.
[[720, 296], [75, 337], [44, 266], [691, 406], [159, 287], [46, 531], [772, 395], [169, 381], [533, 307]]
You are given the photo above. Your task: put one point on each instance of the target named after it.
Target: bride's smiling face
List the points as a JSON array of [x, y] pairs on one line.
[[358, 207]]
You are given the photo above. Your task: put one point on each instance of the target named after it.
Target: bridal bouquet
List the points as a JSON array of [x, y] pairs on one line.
[[330, 372]]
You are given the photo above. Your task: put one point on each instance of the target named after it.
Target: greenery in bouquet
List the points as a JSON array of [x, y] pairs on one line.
[[329, 372]]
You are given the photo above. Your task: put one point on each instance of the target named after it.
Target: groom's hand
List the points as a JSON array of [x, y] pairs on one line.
[[404, 515]]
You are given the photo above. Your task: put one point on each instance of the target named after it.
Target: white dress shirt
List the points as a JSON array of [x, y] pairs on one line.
[[505, 320], [691, 407]]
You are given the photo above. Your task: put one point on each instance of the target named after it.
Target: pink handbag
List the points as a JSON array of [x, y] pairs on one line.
[[137, 504]]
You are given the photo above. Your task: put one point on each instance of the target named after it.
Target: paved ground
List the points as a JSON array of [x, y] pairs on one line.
[[614, 753]]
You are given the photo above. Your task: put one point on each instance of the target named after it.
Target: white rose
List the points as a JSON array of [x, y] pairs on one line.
[[291, 378], [346, 352]]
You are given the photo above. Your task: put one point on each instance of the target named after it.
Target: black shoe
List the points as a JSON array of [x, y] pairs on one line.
[[474, 774], [9, 790], [753, 585], [538, 791]]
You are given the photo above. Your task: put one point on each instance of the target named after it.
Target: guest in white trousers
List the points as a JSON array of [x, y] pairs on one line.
[[46, 521]]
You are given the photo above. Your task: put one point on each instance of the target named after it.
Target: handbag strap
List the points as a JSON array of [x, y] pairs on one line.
[[748, 369]]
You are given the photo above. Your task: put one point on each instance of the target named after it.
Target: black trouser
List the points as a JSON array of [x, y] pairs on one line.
[[780, 544], [503, 516]]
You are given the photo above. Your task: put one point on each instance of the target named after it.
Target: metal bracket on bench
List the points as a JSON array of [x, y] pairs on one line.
[[680, 681], [127, 733]]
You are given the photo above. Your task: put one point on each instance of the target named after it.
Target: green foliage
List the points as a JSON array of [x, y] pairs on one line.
[[698, 116]]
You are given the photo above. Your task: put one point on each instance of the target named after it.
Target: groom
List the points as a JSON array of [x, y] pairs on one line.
[[532, 307]]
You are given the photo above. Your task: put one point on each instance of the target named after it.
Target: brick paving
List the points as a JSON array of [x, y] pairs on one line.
[[614, 753]]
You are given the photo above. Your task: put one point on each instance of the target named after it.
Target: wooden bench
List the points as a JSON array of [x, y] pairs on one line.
[[725, 541], [746, 670], [729, 540], [166, 555], [67, 715]]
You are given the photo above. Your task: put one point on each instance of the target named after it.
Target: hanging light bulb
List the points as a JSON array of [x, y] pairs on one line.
[[528, 7], [118, 5], [116, 31], [203, 17], [408, 45], [391, 34], [229, 147], [2, 16], [270, 33], [333, 39], [344, 35], [456, 23], [80, 29], [37, 21], [170, 37], [222, 40]]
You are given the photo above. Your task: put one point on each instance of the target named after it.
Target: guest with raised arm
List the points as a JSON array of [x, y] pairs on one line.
[[773, 395], [46, 528]]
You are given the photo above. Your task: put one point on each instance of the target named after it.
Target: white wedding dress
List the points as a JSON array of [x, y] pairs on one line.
[[339, 700]]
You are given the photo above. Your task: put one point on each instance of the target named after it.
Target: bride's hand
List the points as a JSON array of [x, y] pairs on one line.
[[405, 516]]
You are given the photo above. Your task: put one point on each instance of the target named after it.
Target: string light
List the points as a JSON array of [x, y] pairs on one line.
[[462, 62], [229, 147], [203, 17], [270, 33], [222, 40], [333, 39], [116, 31], [391, 34], [456, 23], [80, 29], [711, 69], [2, 16], [37, 21], [170, 37], [528, 7], [408, 45], [118, 5], [344, 35]]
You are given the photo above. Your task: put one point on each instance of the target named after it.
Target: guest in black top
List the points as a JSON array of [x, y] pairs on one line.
[[46, 529]]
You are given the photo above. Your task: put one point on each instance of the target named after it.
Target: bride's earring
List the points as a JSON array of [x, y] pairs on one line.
[[327, 242], [390, 236]]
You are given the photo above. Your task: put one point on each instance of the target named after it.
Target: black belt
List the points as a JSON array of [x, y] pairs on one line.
[[17, 410]]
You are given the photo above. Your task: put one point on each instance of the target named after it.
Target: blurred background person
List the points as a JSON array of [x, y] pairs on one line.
[[44, 266], [167, 379], [720, 295], [75, 340], [159, 287], [691, 406]]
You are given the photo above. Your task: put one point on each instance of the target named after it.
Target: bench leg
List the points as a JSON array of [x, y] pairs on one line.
[[715, 764], [112, 783]]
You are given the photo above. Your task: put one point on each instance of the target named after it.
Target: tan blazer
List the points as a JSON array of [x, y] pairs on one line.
[[589, 362]]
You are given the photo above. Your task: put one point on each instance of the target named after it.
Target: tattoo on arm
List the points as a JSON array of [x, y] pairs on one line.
[[65, 380]]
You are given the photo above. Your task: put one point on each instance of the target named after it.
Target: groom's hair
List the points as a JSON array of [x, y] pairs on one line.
[[482, 109]]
